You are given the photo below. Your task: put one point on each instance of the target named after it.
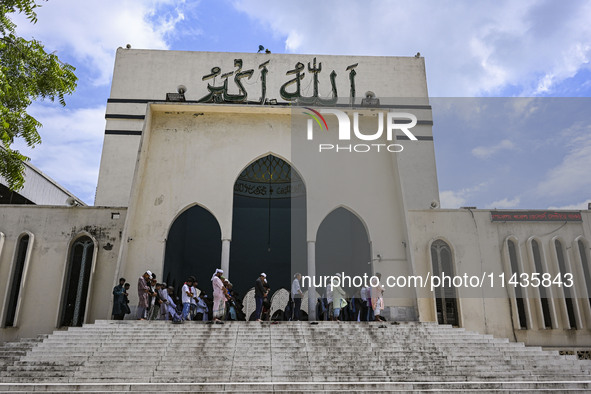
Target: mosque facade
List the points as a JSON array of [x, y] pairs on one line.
[[281, 164]]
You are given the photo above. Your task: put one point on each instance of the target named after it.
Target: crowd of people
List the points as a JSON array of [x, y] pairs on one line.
[[367, 304], [158, 301]]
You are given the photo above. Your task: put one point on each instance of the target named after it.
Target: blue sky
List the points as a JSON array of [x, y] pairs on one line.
[[504, 48]]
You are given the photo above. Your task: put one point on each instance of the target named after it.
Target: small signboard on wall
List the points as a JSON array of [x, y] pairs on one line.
[[536, 216]]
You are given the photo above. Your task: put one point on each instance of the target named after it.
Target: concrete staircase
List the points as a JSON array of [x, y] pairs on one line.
[[10, 352], [157, 356]]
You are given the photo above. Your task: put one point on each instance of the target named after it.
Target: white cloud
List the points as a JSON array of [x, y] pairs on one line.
[[471, 48], [71, 148], [579, 206], [571, 176], [293, 41], [524, 107], [504, 203], [451, 199], [92, 31], [566, 66], [87, 34], [484, 152]]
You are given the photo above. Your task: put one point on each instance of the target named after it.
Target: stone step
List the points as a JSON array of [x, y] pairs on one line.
[[204, 336], [249, 338], [92, 342], [398, 374], [329, 387], [245, 327], [41, 368], [279, 353], [392, 355], [113, 352]]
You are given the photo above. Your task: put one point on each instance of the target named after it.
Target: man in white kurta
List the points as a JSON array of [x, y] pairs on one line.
[[377, 300], [219, 298]]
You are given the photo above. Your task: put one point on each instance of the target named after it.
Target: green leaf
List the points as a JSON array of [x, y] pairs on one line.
[[27, 73]]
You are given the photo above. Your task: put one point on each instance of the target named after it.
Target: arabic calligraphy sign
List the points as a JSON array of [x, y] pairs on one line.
[[218, 92], [272, 190], [536, 216]]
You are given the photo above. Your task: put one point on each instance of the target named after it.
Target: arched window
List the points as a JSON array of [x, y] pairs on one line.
[[77, 282], [567, 293], [445, 296], [585, 264], [535, 246], [1, 242], [518, 291], [18, 271]]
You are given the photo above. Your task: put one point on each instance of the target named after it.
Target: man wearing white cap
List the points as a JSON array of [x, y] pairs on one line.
[[219, 298], [259, 295], [142, 293]]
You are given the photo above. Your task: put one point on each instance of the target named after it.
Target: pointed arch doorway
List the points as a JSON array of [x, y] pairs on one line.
[[193, 248], [268, 225], [343, 246]]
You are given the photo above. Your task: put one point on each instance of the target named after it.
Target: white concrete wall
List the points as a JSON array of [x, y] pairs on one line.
[[185, 144], [116, 170], [53, 229], [147, 75], [192, 154], [369, 185], [150, 74], [478, 245]]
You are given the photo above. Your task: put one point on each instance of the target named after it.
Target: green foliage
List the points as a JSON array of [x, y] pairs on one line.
[[27, 73]]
